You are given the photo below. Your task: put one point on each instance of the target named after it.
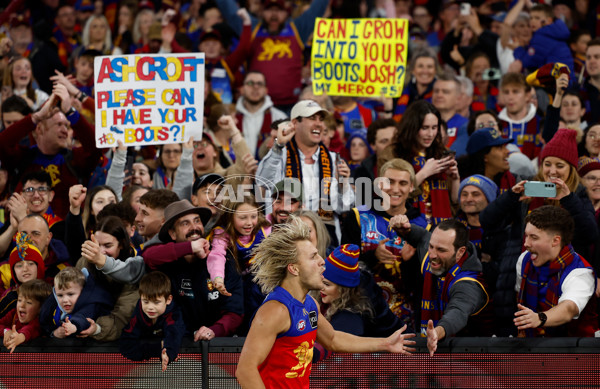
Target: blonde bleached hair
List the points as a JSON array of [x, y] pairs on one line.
[[276, 252]]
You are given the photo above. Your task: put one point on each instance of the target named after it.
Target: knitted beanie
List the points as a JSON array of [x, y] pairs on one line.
[[341, 266], [487, 186], [587, 164], [26, 251], [563, 145]]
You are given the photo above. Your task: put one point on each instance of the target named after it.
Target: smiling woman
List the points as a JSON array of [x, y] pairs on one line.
[[419, 142]]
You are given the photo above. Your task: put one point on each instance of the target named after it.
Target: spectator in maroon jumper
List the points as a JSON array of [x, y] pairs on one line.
[[207, 313], [50, 128]]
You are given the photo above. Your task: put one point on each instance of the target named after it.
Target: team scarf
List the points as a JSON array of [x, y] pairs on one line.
[[540, 286], [475, 233], [435, 290], [481, 103], [434, 200], [410, 94], [51, 218], [293, 168]]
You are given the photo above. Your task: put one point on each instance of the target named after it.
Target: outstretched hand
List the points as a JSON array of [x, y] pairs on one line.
[[398, 343], [432, 338], [164, 359]]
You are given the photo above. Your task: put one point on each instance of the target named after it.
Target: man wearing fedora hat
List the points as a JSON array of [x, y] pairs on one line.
[[206, 312]]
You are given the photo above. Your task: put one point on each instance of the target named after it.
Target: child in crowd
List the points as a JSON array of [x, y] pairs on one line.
[[239, 230], [14, 109], [521, 122], [26, 264], [18, 77], [359, 148], [76, 298], [157, 327], [84, 71], [21, 324]]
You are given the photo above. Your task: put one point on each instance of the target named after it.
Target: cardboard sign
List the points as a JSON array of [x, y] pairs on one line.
[[359, 57], [148, 99]]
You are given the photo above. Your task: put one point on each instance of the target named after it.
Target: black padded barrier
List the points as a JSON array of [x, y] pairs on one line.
[[459, 363]]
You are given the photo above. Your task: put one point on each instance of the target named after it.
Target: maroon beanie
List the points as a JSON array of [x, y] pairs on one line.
[[587, 164], [563, 145]]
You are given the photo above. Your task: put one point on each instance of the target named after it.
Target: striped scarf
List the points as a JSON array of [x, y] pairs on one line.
[[293, 168], [434, 200], [409, 95], [540, 286]]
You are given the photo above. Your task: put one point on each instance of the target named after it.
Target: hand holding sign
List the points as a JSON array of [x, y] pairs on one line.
[[149, 99]]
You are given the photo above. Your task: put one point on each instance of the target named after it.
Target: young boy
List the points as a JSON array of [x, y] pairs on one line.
[[521, 122], [76, 298], [21, 324], [157, 327], [84, 71]]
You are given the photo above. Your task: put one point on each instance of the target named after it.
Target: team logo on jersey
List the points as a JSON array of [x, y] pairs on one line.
[[372, 235], [313, 318], [301, 325], [531, 51], [275, 47]]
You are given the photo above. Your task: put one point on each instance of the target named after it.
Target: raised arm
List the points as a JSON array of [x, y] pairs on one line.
[[343, 342]]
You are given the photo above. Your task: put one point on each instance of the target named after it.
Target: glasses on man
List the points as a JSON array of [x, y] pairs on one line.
[[490, 124], [42, 190], [251, 84], [202, 144]]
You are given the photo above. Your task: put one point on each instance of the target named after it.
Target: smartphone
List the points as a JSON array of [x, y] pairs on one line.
[[465, 9], [491, 74], [540, 189], [449, 153]]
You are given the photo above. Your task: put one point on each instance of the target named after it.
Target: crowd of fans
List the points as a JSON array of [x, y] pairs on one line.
[[419, 204]]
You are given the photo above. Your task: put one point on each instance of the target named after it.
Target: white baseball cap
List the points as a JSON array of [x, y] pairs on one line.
[[306, 108]]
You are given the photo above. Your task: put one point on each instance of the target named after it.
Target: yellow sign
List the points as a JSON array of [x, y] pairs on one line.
[[359, 57]]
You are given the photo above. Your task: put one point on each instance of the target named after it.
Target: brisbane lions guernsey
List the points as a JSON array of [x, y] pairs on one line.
[[289, 363]]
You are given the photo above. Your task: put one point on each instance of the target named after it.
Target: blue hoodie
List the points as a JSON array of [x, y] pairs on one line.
[[93, 302], [547, 45]]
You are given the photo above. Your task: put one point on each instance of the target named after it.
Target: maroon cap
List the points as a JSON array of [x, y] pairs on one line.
[[210, 34]]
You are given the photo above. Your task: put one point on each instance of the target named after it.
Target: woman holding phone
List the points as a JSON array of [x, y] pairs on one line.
[[558, 166], [419, 141]]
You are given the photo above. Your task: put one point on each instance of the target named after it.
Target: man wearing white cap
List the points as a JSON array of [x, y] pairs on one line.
[[298, 152]]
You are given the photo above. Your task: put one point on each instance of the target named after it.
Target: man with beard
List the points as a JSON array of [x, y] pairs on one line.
[[276, 48], [206, 312], [287, 199], [255, 111], [454, 296]]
